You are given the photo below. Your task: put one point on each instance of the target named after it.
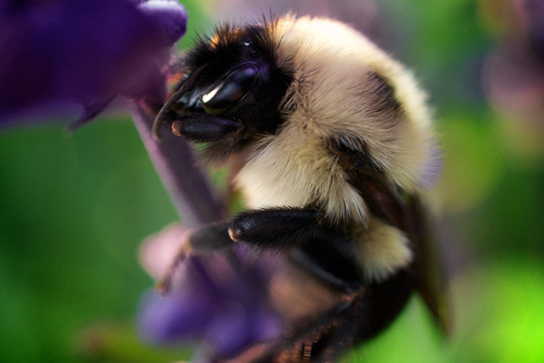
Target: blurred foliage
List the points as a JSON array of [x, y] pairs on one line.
[[74, 208], [73, 212]]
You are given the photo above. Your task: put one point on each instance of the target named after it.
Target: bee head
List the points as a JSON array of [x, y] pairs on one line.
[[232, 89]]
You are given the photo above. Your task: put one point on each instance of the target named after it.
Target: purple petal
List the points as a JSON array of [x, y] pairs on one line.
[[158, 252], [186, 309], [60, 53], [228, 333], [514, 82], [211, 298], [240, 326], [534, 13], [181, 173], [169, 15], [170, 319]]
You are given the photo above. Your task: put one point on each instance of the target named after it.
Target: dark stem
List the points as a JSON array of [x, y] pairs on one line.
[[180, 172]]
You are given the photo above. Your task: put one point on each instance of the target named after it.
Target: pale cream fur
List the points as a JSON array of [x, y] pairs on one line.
[[329, 59], [295, 167], [382, 249], [295, 171]]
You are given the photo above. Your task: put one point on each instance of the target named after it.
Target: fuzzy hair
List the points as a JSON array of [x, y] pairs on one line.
[[334, 95], [383, 249]]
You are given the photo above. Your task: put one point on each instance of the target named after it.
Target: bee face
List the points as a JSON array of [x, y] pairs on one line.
[[235, 86]]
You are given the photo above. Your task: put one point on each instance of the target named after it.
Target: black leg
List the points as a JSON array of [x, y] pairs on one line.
[[211, 238], [266, 228], [360, 317], [323, 250], [276, 228], [333, 258], [202, 127], [372, 311]]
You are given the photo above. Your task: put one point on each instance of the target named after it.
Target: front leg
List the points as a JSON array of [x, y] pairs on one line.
[[202, 127], [277, 227], [211, 238], [310, 241]]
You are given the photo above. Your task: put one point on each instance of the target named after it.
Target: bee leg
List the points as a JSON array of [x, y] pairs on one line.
[[331, 256], [266, 228], [276, 228], [384, 302], [359, 317], [202, 127], [211, 238], [372, 305]]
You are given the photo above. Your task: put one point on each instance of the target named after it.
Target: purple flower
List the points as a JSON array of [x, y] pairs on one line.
[[57, 54], [513, 75], [217, 301]]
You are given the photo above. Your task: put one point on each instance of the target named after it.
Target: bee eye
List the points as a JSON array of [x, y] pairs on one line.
[[233, 88], [250, 51]]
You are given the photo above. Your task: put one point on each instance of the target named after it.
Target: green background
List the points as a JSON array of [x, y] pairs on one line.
[[74, 209]]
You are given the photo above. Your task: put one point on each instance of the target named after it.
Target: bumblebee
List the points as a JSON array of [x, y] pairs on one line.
[[336, 150]]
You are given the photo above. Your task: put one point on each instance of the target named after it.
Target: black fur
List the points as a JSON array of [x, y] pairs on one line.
[[359, 317], [384, 99], [231, 47]]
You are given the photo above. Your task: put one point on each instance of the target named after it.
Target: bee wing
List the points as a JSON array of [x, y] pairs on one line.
[[407, 212], [430, 275]]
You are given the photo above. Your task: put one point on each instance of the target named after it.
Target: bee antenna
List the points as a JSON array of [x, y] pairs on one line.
[[187, 86]]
